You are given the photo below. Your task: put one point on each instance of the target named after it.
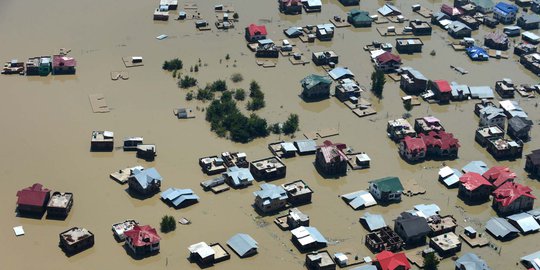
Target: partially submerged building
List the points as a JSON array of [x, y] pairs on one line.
[[412, 229], [386, 190], [102, 141], [498, 175], [145, 182], [270, 198], [359, 199], [76, 240], [420, 28], [501, 229], [359, 18], [62, 64], [316, 86], [412, 81], [142, 240], [33, 199], [298, 192], [471, 261], [255, 32], [325, 58], [271, 168], [442, 90], [320, 260], [60, 204], [497, 41], [386, 260], [473, 187], [412, 149], [532, 163], [179, 197], [525, 222], [308, 238], [446, 245], [505, 13], [459, 30], [238, 177], [243, 244], [372, 222], [511, 198], [409, 45], [384, 239], [399, 129], [387, 62], [520, 128], [206, 255], [330, 158]]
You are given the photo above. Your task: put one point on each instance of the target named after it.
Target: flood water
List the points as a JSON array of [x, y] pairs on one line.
[[47, 122]]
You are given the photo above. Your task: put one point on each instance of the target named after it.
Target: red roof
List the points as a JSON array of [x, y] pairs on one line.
[[390, 261], [443, 86], [143, 236], [413, 144], [440, 139], [35, 195], [254, 29], [387, 57], [290, 2], [510, 191], [333, 152], [472, 181], [449, 10], [63, 61], [498, 175]]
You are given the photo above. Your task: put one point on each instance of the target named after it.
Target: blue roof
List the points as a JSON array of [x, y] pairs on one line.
[[239, 176], [531, 259], [500, 228], [477, 53], [428, 210], [471, 261], [373, 221], [476, 166], [271, 192], [242, 244], [481, 92], [316, 235], [525, 222], [178, 196], [340, 73], [145, 177], [506, 8]]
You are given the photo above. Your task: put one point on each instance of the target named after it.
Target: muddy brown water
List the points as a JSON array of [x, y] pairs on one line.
[[46, 125]]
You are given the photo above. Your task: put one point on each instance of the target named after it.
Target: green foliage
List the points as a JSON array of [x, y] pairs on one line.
[[257, 97], [205, 94], [377, 83], [189, 96], [431, 262], [196, 68], [237, 77], [235, 16], [224, 117], [227, 57], [172, 64], [218, 86], [168, 224], [291, 125], [187, 82], [275, 128], [240, 94], [174, 73]]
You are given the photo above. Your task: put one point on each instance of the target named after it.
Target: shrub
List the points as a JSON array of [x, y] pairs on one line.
[[187, 82], [237, 77], [168, 224], [291, 125], [172, 64], [205, 94], [240, 94]]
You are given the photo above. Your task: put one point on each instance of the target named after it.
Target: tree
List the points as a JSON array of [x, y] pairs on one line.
[[275, 128], [291, 125], [235, 16], [189, 96], [237, 77], [227, 57], [172, 64], [254, 87], [205, 94], [240, 94], [218, 86], [377, 83], [431, 262], [187, 82], [196, 68], [255, 104], [168, 224]]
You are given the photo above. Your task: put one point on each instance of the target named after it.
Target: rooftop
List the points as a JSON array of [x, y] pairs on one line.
[[60, 200], [75, 235]]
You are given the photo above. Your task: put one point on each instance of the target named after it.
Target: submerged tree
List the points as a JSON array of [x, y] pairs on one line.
[[168, 224], [377, 83], [173, 64], [291, 125], [431, 262]]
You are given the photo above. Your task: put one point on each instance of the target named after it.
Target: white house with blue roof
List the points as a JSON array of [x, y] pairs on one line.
[[505, 13], [145, 182], [270, 198]]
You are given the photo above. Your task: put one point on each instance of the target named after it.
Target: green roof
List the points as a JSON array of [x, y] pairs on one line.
[[359, 15], [388, 184], [484, 3], [313, 80]]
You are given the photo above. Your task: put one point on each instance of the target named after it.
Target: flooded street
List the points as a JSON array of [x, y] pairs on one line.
[[47, 123]]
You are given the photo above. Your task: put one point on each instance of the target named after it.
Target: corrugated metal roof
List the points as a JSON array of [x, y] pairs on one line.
[[525, 222], [374, 222], [427, 210], [533, 259], [470, 261], [242, 244], [147, 176], [340, 72], [306, 146], [476, 166], [500, 228]]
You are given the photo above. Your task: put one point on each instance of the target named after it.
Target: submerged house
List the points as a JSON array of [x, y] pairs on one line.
[[503, 148], [520, 128], [270, 198], [207, 255], [60, 204], [324, 58], [350, 2], [33, 200], [386, 189], [102, 141], [237, 177], [473, 187], [497, 41], [412, 81], [383, 239], [459, 30], [290, 6], [386, 260], [529, 22], [330, 158], [271, 168], [412, 229], [389, 10], [484, 6], [142, 240], [243, 244], [409, 45], [145, 182], [532, 163], [387, 62], [62, 64], [499, 175], [298, 192], [505, 13], [308, 238], [316, 86], [442, 90], [471, 261], [359, 18], [427, 124], [255, 32], [399, 128], [501, 229], [412, 149], [76, 240], [492, 116], [420, 28], [511, 198], [441, 145], [179, 197], [476, 53], [320, 260]]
